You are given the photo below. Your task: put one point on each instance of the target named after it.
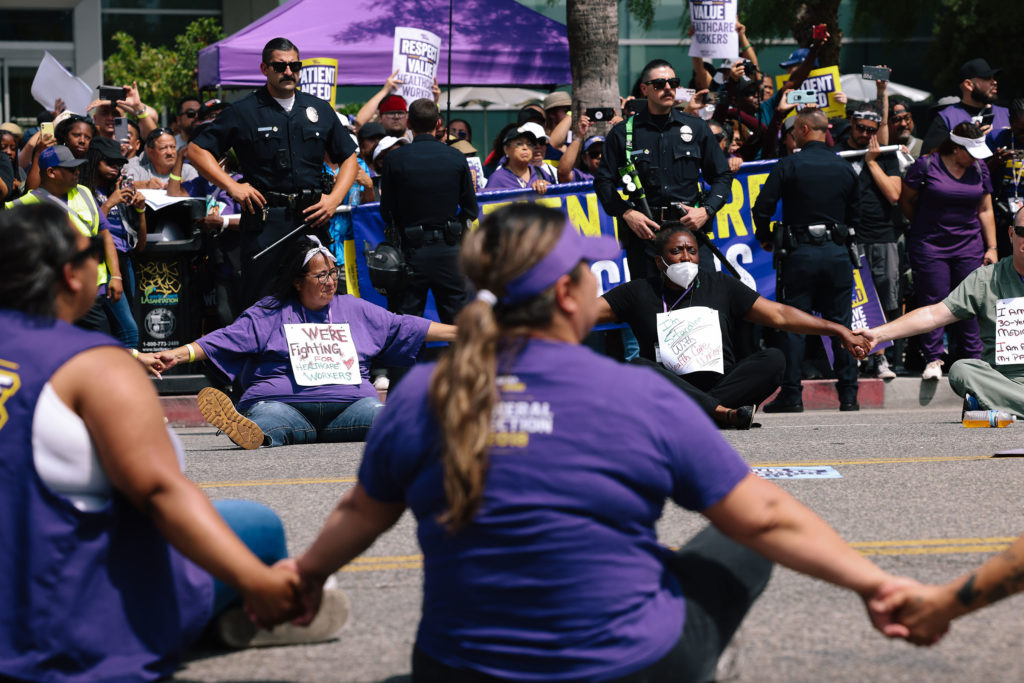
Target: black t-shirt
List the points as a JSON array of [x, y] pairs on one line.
[[638, 303], [876, 213]]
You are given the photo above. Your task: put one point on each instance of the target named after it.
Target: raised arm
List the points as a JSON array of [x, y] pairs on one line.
[[368, 110]]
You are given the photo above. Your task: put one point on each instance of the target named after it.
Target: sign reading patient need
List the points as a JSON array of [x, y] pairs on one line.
[[415, 59], [714, 29]]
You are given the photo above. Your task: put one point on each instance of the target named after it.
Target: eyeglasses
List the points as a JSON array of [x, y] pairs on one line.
[[333, 273], [900, 117], [94, 250], [870, 130], [1019, 230], [395, 114], [659, 83], [280, 67], [190, 113]]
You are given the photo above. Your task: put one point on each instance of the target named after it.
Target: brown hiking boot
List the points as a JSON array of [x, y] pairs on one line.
[[218, 410]]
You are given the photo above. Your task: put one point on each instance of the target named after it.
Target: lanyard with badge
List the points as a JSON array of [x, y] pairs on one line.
[[1016, 164], [689, 339]]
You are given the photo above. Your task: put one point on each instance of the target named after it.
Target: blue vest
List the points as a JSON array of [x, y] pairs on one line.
[[955, 114], [86, 596]]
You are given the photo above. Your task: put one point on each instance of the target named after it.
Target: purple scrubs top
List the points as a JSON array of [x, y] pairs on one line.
[[255, 349], [560, 575], [946, 224]]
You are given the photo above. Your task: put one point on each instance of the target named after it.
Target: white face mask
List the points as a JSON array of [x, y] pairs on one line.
[[681, 273]]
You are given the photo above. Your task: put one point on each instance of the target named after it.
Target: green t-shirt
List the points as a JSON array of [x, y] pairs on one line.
[[976, 297]]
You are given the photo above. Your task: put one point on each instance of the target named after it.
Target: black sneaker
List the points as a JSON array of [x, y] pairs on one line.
[[781, 406], [849, 406]]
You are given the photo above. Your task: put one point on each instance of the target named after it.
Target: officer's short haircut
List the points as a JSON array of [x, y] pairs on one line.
[[277, 45], [423, 116], [814, 119], [651, 66]]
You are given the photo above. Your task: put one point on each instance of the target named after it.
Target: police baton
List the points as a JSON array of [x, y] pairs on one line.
[[344, 208]]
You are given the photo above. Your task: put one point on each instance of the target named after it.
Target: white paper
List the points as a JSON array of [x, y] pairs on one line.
[[1010, 331], [158, 199], [53, 81], [415, 59], [322, 353], [714, 29], [690, 340], [477, 169]]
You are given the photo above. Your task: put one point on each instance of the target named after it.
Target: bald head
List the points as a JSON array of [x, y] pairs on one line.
[[811, 124]]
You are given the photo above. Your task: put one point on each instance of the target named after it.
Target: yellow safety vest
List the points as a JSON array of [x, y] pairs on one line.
[[81, 208]]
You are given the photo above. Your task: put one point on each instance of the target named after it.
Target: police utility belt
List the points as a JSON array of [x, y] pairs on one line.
[[819, 233], [414, 236], [295, 201]]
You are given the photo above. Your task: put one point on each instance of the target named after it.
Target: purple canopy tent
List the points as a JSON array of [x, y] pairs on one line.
[[494, 42]]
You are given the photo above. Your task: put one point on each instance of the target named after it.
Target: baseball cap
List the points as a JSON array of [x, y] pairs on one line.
[[559, 98], [976, 147], [590, 142], [386, 143], [796, 57], [392, 103], [108, 147], [13, 128], [58, 156], [531, 112], [371, 130], [976, 68], [532, 130]]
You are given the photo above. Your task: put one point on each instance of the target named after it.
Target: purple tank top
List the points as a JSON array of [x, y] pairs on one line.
[[86, 596]]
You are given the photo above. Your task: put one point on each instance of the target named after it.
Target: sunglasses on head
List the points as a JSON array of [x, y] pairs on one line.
[[280, 67], [94, 250], [659, 83], [866, 129]]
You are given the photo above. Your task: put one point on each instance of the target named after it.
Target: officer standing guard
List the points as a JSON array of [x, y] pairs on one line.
[[427, 202], [668, 150], [814, 249], [279, 136]]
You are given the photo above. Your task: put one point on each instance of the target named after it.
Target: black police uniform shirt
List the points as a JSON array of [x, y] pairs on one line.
[[638, 303], [279, 151], [876, 212], [815, 185], [426, 183], [672, 151]]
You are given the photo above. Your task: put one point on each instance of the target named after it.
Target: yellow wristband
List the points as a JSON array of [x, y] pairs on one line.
[[135, 353], [144, 114], [191, 353], [174, 177], [140, 209]]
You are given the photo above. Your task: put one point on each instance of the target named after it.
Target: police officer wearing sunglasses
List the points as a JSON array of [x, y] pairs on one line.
[[671, 151], [280, 136]]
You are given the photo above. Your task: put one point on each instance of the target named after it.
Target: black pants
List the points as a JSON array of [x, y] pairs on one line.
[[433, 267], [258, 275], [818, 278], [721, 580], [752, 380]]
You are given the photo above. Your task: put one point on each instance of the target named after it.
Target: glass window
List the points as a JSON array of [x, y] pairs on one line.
[[154, 29], [163, 4], [48, 25]]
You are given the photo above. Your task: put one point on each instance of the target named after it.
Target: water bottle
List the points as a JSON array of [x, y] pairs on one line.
[[988, 418]]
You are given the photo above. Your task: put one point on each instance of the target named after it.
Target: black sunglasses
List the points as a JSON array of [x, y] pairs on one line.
[[156, 133], [866, 129], [279, 67], [190, 113], [94, 250], [659, 83], [1019, 229]]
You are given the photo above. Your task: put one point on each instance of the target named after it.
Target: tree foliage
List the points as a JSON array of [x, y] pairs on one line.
[[163, 74]]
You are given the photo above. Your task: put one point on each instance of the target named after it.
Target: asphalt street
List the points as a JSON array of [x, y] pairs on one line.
[[916, 491]]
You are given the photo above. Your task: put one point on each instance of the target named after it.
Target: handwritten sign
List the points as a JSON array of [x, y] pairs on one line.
[[319, 77], [322, 353], [825, 82], [714, 29], [690, 340], [415, 59], [1010, 331]]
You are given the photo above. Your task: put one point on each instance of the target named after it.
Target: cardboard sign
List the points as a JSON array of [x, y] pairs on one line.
[[690, 340], [1010, 331], [319, 77], [322, 353], [825, 82], [714, 29], [415, 59]]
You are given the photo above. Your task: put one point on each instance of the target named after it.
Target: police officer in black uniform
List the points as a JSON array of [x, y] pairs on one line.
[[279, 136], [670, 150], [427, 202], [820, 196]]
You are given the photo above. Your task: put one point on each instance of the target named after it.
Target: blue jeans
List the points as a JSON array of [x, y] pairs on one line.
[[295, 423], [260, 529], [119, 313]]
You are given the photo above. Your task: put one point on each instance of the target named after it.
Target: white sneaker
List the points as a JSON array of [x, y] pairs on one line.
[[884, 371], [932, 371]]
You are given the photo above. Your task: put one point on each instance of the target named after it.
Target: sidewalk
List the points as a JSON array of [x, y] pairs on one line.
[[901, 393]]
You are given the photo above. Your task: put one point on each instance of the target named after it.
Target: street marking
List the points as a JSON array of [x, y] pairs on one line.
[[823, 472], [275, 482]]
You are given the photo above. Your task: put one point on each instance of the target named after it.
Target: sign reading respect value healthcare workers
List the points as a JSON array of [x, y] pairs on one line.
[[714, 29], [415, 59]]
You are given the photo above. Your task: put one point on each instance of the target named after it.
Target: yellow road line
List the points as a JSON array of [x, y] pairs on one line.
[[877, 461], [933, 541], [275, 482]]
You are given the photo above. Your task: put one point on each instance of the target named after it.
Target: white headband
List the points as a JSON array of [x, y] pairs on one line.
[[867, 115], [967, 142], [318, 249]]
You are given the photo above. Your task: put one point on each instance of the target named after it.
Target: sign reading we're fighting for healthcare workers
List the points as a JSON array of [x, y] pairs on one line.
[[714, 29], [825, 82], [415, 59]]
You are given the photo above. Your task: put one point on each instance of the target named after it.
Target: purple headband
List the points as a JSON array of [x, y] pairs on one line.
[[569, 250]]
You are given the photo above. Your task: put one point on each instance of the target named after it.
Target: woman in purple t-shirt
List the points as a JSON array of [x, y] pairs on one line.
[[947, 196], [536, 503]]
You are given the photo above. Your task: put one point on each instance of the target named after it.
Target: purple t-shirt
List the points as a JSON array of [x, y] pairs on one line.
[[560, 575], [946, 223], [255, 348], [504, 179]]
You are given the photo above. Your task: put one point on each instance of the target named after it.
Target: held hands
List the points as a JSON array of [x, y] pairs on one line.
[[856, 343], [273, 597], [152, 362], [871, 336], [311, 592], [919, 613]]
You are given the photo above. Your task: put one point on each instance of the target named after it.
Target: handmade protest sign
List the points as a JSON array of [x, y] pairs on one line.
[[322, 353], [52, 82], [714, 29], [1010, 331], [319, 77], [415, 59], [825, 82], [690, 340]]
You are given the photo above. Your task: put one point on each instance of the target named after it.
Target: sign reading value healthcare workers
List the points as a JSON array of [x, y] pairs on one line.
[[319, 77], [825, 82], [415, 59], [714, 29], [1010, 331], [322, 353]]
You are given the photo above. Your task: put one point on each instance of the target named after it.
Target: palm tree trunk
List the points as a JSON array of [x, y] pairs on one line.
[[593, 29]]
